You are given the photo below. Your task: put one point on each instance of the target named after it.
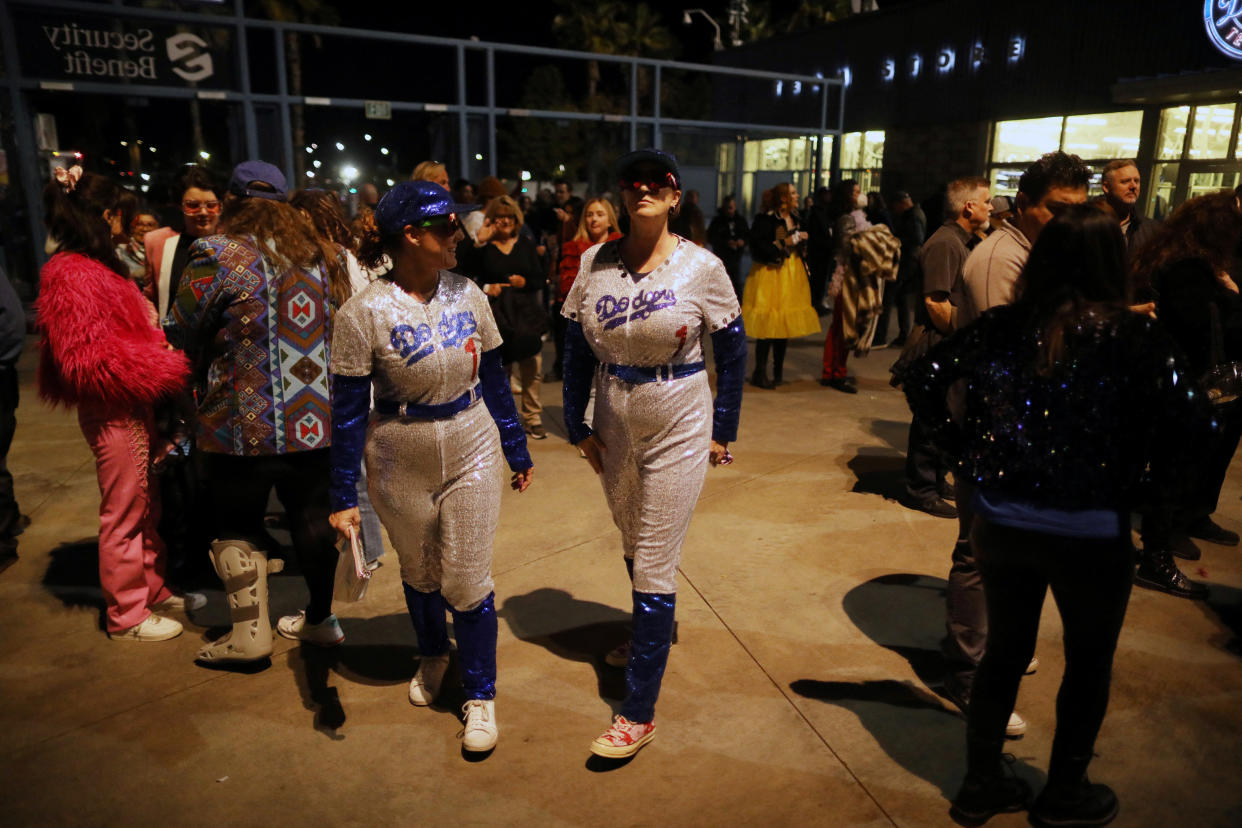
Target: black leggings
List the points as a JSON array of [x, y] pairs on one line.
[[239, 491], [1090, 581], [777, 348]]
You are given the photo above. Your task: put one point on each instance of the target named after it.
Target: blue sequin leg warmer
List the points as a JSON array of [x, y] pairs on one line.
[[427, 616], [476, 648], [653, 635]]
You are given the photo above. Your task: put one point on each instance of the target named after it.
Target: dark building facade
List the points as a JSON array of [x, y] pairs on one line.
[[945, 88]]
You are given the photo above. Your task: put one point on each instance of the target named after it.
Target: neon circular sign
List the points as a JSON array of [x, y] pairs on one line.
[[1223, 20]]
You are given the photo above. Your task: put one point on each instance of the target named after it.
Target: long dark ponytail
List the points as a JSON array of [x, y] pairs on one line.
[[75, 219]]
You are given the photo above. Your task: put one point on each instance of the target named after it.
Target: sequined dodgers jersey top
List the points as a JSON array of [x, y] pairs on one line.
[[417, 353], [659, 319]]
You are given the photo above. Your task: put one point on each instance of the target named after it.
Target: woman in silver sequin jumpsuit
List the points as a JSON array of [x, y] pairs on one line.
[[637, 315], [444, 415]]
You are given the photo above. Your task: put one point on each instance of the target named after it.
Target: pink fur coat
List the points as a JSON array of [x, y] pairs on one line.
[[98, 341]]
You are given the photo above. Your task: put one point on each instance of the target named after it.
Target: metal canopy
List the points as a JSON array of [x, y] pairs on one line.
[[19, 81]]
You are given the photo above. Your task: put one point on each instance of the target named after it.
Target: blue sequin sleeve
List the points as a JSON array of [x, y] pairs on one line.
[[499, 401], [729, 351], [351, 406], [579, 371]]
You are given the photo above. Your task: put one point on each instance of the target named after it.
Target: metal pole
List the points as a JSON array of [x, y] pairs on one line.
[[836, 144], [633, 106], [286, 126], [23, 138], [462, 125], [243, 73], [491, 112], [657, 137], [819, 139]]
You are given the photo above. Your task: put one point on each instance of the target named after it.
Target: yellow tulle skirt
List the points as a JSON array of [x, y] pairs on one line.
[[776, 303]]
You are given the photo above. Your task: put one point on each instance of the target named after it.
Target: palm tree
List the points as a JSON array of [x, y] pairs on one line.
[[587, 26], [298, 11]]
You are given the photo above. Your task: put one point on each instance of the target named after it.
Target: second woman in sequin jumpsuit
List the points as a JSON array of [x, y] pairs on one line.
[[638, 314]]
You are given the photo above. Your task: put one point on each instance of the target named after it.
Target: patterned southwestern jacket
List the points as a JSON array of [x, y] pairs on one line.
[[262, 334]]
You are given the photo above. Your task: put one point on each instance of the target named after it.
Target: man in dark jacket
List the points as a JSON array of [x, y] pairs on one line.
[[910, 227], [1121, 183], [820, 246], [727, 235]]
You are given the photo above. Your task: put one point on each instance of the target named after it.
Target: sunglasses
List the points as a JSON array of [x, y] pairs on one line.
[[442, 225], [651, 181], [194, 206]]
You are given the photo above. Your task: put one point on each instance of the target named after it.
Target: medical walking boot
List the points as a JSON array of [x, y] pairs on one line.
[[243, 568]]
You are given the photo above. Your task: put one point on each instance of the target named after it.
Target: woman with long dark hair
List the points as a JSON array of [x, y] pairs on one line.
[[1069, 396], [102, 351], [444, 421], [638, 314]]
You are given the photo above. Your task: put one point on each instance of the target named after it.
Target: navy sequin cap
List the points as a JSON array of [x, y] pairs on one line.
[[414, 202]]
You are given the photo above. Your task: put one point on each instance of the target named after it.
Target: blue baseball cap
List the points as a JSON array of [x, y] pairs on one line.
[[248, 172], [411, 203]]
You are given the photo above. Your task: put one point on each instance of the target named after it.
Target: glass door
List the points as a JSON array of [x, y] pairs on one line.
[[1203, 178]]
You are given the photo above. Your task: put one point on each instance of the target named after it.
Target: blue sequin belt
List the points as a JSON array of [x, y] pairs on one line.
[[429, 411], [638, 374]]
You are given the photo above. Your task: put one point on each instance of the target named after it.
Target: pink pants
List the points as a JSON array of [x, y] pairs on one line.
[[131, 554]]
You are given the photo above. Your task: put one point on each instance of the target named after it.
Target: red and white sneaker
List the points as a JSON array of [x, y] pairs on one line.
[[623, 739]]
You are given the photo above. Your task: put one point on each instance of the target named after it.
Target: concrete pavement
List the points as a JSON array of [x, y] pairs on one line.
[[810, 607]]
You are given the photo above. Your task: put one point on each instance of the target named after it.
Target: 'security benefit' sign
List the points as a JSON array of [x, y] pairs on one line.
[[83, 48]]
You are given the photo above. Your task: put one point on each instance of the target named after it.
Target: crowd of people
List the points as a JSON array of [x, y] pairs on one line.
[[1069, 365]]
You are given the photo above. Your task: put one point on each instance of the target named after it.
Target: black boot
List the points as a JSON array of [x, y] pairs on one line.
[[988, 789], [1070, 798], [1158, 571], [778, 361], [759, 379]]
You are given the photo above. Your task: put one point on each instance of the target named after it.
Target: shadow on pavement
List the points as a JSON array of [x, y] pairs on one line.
[[585, 631], [904, 613], [879, 471], [1225, 603], [72, 576], [894, 432]]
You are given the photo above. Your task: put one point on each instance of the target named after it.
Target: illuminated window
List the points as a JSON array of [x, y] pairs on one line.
[[1005, 180], [873, 148], [1025, 140], [750, 161], [775, 154], [1209, 137], [1173, 124], [851, 150], [1107, 135]]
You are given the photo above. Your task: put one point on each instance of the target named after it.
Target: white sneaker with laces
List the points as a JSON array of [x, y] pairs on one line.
[[1016, 725], [187, 602], [153, 628], [479, 734], [425, 685], [327, 633]]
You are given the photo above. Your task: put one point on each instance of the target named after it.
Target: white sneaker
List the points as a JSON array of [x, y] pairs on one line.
[[425, 685], [187, 602], [479, 734], [327, 633], [1016, 726], [153, 628]]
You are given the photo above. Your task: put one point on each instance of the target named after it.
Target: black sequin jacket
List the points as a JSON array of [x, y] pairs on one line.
[[1081, 438]]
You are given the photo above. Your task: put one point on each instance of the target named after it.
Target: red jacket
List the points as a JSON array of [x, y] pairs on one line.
[[98, 343], [571, 255]]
